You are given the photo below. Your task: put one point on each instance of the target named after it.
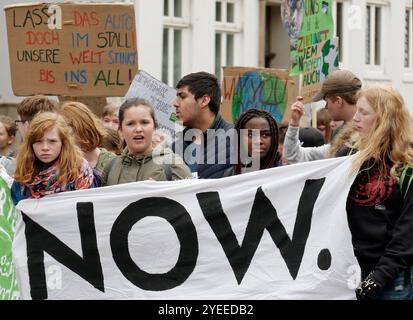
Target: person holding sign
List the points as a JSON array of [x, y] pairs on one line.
[[339, 90], [49, 160], [264, 145], [141, 160], [380, 201]]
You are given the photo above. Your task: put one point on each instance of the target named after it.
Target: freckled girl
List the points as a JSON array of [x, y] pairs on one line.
[[49, 161]]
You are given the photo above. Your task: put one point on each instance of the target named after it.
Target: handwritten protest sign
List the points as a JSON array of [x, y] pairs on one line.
[[94, 53], [320, 60], [266, 89], [314, 17], [162, 98]]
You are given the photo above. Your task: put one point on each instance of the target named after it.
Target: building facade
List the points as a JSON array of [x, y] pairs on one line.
[[176, 37]]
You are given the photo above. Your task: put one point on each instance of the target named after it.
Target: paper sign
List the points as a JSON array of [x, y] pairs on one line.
[[316, 26], [161, 97], [320, 60], [84, 49], [266, 89]]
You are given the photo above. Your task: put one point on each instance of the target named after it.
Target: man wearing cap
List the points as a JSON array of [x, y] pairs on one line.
[[339, 90]]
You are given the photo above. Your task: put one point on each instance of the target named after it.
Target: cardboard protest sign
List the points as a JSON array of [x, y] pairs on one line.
[[319, 61], [95, 104], [315, 20], [280, 233], [162, 98], [9, 289], [84, 49], [266, 89]]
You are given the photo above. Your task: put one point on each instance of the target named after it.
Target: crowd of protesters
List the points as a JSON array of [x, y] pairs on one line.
[[68, 148]]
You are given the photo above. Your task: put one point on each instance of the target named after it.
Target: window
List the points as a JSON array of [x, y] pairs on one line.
[[176, 29], [374, 35], [227, 33], [408, 39], [338, 30]]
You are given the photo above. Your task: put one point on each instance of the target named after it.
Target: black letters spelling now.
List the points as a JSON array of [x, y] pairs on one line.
[[263, 217]]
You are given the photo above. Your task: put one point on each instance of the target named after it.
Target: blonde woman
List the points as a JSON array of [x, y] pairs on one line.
[[49, 160], [380, 202]]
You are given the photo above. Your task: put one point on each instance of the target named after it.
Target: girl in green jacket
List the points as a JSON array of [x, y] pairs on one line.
[[140, 160]]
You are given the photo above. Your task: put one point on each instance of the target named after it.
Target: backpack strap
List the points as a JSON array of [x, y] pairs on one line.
[[168, 171], [112, 163], [406, 179], [106, 171]]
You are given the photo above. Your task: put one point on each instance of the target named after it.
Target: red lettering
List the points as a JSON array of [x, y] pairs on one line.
[[94, 18], [87, 57], [229, 94], [42, 38], [85, 19], [47, 76]]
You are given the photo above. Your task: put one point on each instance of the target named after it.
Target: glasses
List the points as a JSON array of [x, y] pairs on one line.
[[16, 122]]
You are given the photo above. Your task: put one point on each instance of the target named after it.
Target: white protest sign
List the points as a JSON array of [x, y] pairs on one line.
[[162, 98], [280, 233]]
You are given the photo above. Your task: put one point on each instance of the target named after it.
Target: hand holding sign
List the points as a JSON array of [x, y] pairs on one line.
[[297, 111]]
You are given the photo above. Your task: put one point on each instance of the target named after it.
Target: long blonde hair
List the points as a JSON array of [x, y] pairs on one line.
[[389, 139], [70, 158], [347, 137]]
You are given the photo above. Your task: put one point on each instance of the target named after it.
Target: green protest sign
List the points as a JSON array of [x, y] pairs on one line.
[[321, 60], [314, 17], [8, 218]]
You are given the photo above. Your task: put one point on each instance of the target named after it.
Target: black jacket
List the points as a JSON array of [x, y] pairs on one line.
[[381, 223]]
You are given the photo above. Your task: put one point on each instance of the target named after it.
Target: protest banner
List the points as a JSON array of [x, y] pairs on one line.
[[319, 61], [8, 218], [266, 89], [71, 49], [162, 98], [313, 19], [280, 233]]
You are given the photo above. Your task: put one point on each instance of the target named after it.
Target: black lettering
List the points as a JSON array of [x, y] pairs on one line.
[[39, 240], [45, 15], [101, 77], [14, 20], [102, 36], [263, 216], [38, 17], [185, 230], [29, 17]]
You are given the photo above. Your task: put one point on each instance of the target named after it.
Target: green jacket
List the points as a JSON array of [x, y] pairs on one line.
[[144, 167], [104, 159]]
